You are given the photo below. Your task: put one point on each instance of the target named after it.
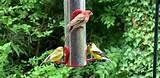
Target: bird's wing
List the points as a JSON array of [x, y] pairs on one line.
[[56, 54], [46, 59], [78, 20], [98, 51]]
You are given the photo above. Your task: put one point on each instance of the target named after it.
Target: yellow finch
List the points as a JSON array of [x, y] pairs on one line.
[[55, 56], [96, 52]]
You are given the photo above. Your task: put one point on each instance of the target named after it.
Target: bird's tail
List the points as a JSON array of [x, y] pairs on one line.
[[106, 59], [45, 60]]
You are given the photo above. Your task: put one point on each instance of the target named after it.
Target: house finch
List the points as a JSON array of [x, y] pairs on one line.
[[78, 19]]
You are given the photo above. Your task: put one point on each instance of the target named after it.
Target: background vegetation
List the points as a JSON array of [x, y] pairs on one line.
[[29, 28]]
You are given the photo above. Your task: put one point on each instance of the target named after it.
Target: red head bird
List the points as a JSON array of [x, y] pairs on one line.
[[79, 11], [78, 18], [75, 13]]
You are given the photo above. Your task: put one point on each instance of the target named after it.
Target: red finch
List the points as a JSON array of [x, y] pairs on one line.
[[78, 19]]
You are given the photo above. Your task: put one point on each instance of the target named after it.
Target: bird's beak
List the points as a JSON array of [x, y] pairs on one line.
[[91, 13]]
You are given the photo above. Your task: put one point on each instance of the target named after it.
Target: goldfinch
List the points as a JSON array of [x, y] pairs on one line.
[[96, 52], [56, 56]]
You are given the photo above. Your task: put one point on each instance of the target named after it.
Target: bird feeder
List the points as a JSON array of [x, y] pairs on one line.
[[76, 43]]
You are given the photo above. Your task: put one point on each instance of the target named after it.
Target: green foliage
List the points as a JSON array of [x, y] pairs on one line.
[[46, 70], [4, 51], [51, 71], [121, 28]]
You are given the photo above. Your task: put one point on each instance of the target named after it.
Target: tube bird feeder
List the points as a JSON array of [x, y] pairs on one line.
[[76, 43]]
